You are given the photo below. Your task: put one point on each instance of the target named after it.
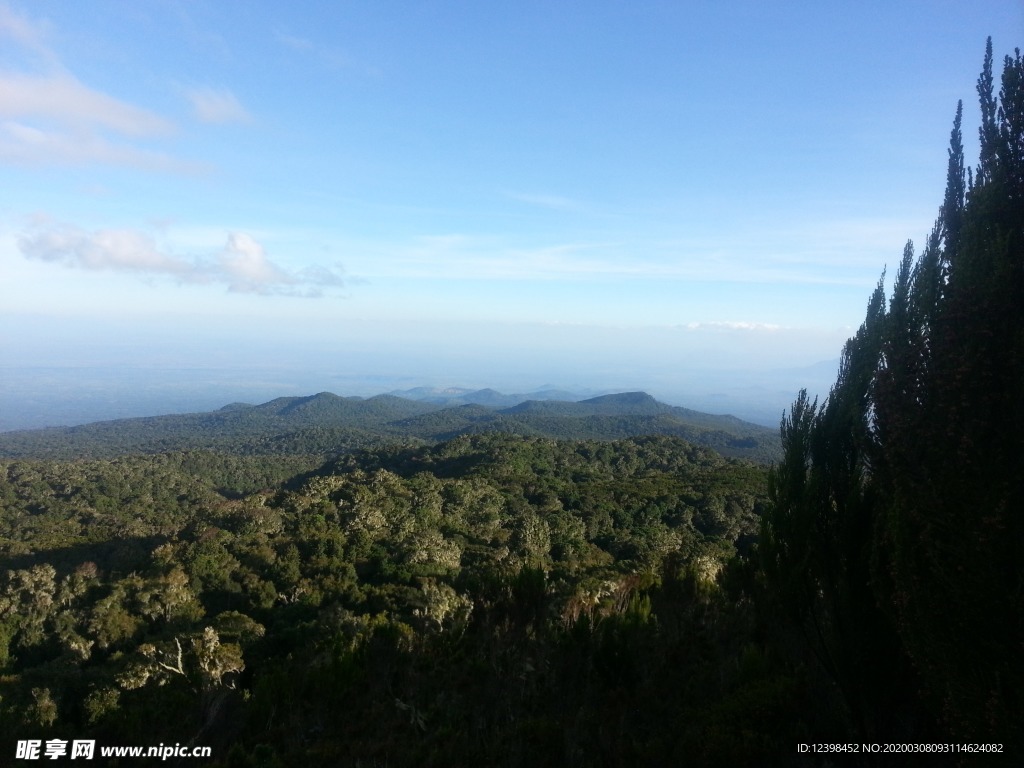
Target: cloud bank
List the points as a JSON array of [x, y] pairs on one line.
[[241, 265]]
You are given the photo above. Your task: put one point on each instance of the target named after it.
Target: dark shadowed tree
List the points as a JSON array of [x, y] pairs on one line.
[[897, 522]]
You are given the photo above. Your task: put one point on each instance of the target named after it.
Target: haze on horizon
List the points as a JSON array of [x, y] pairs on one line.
[[690, 199]]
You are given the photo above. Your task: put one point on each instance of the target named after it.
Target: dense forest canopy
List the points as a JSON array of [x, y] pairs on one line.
[[547, 584], [464, 602]]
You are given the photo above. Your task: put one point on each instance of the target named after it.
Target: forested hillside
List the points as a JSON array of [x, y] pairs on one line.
[[326, 425], [486, 601]]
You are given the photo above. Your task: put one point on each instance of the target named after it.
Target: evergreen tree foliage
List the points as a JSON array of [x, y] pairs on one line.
[[951, 391], [899, 502]]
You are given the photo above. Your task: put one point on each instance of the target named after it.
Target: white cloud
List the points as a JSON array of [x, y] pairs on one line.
[[242, 264], [123, 250], [217, 105], [64, 99], [30, 145], [51, 118]]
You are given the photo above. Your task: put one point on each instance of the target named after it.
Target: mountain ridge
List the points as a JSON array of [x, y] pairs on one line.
[[331, 424]]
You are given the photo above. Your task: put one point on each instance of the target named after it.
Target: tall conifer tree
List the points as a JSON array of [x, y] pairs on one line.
[[915, 468]]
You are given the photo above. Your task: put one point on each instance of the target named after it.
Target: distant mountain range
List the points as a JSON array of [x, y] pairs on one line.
[[462, 396], [327, 424]]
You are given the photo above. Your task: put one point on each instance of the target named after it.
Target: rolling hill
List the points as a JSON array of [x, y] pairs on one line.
[[329, 424]]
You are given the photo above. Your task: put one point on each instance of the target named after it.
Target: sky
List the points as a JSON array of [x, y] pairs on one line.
[[691, 198]]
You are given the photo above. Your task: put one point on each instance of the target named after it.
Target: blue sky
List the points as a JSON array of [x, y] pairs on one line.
[[600, 194]]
